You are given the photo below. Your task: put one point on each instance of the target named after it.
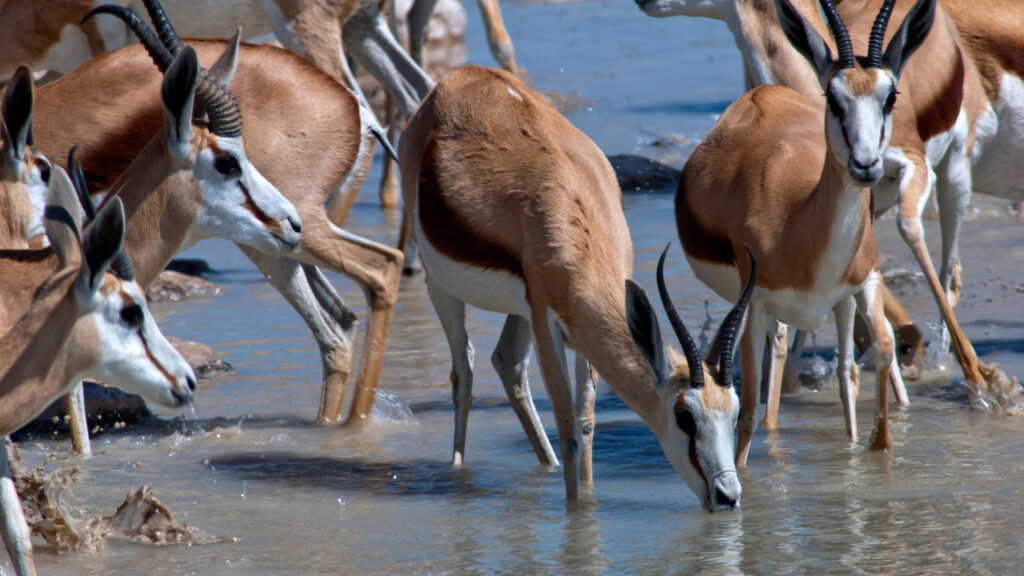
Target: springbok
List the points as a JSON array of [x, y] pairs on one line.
[[768, 176], [938, 117], [24, 174], [516, 211], [86, 317], [303, 130], [191, 182]]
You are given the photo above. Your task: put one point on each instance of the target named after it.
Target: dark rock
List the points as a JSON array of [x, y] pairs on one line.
[[201, 357], [173, 286], [640, 174]]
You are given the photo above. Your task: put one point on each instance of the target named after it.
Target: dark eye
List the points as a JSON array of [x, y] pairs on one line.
[[132, 315], [44, 171], [227, 165], [833, 105], [686, 423], [890, 101]]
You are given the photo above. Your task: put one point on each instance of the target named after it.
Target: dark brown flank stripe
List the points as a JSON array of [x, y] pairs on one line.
[[699, 241], [447, 232], [942, 114]]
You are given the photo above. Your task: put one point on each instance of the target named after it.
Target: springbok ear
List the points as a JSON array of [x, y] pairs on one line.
[[910, 36], [643, 327], [178, 93], [223, 70], [17, 118], [102, 243], [804, 37], [62, 218]]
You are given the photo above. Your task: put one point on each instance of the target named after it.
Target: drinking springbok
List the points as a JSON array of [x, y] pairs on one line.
[[516, 211], [769, 176], [86, 317]]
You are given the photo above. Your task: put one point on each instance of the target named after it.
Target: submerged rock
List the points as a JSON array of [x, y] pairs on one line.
[[173, 286], [640, 174], [201, 357]]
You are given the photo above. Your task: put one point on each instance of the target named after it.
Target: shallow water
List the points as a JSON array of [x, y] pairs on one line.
[[293, 498]]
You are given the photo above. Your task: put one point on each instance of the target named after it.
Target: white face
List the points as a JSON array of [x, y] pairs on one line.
[[37, 182], [134, 355], [700, 8], [859, 123], [701, 445], [239, 204]]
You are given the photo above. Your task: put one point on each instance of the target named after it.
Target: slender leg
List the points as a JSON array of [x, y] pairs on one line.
[[790, 381], [846, 371], [333, 327], [870, 303], [367, 38], [751, 356], [776, 368], [511, 360], [389, 174], [74, 405], [586, 395], [417, 21], [452, 313], [551, 354], [953, 195], [15, 529], [910, 228], [377, 269], [497, 36]]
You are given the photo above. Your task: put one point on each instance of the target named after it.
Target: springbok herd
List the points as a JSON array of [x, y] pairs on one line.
[[510, 207]]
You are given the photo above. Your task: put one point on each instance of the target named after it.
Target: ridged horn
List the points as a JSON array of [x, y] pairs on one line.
[[841, 35], [162, 26], [689, 346], [721, 350], [225, 118], [877, 38]]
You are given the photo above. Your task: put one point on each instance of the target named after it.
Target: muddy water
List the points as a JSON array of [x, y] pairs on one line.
[[291, 498]]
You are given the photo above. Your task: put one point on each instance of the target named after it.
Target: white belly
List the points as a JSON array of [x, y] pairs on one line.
[[806, 310], [997, 169], [493, 290]]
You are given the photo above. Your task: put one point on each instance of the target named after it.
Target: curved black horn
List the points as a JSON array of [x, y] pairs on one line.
[[121, 266], [78, 181], [162, 26], [877, 38], [722, 348], [160, 55], [221, 106], [689, 347], [839, 32], [218, 102]]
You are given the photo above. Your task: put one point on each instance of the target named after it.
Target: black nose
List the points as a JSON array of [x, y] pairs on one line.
[[723, 499], [295, 224], [191, 383]]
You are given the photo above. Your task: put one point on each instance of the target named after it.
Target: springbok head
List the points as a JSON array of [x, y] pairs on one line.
[[238, 203], [24, 173], [114, 338], [860, 91], [699, 405]]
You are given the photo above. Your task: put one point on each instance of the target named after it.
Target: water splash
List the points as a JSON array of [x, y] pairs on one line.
[[390, 408]]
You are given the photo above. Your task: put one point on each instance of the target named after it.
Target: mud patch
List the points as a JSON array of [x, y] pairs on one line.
[[45, 497], [173, 286]]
